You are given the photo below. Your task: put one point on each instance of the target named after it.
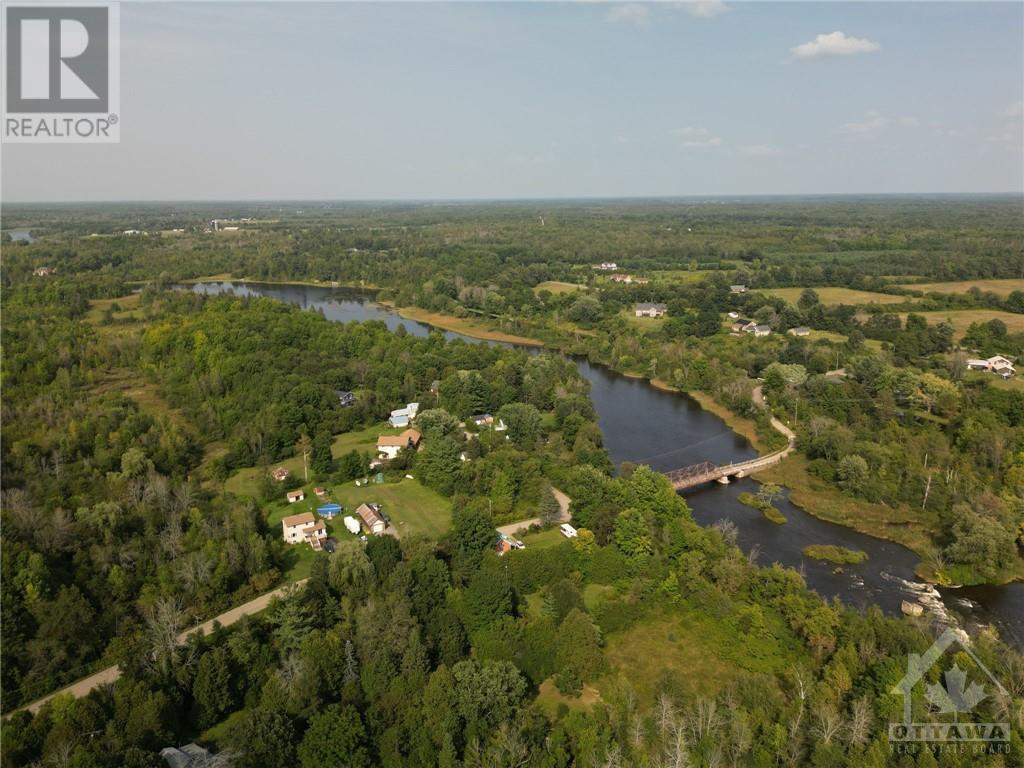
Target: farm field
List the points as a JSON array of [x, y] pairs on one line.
[[832, 295], [961, 319], [557, 286], [1001, 288]]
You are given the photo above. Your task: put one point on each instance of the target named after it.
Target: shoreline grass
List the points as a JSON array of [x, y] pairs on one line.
[[832, 553], [766, 508]]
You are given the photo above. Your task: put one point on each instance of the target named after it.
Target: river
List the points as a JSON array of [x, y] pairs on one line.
[[643, 424]]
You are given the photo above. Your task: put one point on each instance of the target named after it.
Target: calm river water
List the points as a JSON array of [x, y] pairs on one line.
[[665, 430]]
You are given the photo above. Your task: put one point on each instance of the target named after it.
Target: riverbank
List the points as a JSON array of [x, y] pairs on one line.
[[462, 325], [226, 277]]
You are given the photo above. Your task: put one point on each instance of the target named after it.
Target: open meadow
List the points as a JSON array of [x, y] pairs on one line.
[[1001, 288]]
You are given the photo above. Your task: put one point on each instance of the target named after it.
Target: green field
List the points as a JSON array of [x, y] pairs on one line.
[[830, 296], [961, 319], [552, 537], [557, 286], [674, 646], [999, 287]]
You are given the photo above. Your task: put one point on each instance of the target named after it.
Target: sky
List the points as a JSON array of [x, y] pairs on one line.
[[431, 100]]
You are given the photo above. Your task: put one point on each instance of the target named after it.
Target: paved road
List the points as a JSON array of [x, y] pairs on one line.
[[110, 674], [511, 529]]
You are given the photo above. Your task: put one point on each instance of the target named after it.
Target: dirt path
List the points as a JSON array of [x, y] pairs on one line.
[[510, 529], [110, 674], [758, 397]]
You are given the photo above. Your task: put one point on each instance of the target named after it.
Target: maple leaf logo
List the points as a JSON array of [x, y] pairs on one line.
[[955, 698]]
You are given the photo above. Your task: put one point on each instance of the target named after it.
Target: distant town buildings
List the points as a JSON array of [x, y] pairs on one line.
[[651, 310], [737, 289], [607, 266], [800, 330], [630, 279], [43, 271]]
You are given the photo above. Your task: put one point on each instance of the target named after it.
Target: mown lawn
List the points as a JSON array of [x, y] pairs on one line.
[[832, 295], [552, 537], [413, 508], [999, 287]]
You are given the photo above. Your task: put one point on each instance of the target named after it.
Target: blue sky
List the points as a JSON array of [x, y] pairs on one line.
[[506, 100]]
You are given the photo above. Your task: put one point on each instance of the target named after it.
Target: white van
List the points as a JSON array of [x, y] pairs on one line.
[[568, 531]]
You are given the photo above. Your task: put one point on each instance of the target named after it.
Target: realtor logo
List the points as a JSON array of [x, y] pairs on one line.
[[950, 703], [61, 73]]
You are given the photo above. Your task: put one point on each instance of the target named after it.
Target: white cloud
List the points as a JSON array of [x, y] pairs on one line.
[[871, 126], [1014, 110], [630, 13], [704, 9], [834, 44], [759, 150], [622, 140], [874, 123], [696, 137]]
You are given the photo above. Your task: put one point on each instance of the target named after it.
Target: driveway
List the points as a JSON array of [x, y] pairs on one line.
[[111, 674], [511, 529]]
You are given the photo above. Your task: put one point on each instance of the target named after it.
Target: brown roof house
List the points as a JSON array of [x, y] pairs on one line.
[[388, 446], [293, 527], [280, 474]]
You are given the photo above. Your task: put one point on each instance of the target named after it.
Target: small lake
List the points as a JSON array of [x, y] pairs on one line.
[[643, 424], [21, 236]]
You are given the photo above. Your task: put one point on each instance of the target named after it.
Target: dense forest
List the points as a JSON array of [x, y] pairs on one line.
[[140, 431]]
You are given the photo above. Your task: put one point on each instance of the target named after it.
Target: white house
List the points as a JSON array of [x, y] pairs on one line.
[[402, 416], [294, 496], [800, 330], [647, 309], [294, 527], [486, 420], [762, 330], [737, 289], [997, 364]]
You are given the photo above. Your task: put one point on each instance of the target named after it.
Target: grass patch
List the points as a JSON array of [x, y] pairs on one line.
[[834, 554], [550, 698], [557, 286], [831, 295], [552, 537], [698, 652], [764, 507], [1001, 288]]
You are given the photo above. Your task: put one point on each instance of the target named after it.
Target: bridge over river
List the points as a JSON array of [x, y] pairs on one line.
[[705, 472]]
